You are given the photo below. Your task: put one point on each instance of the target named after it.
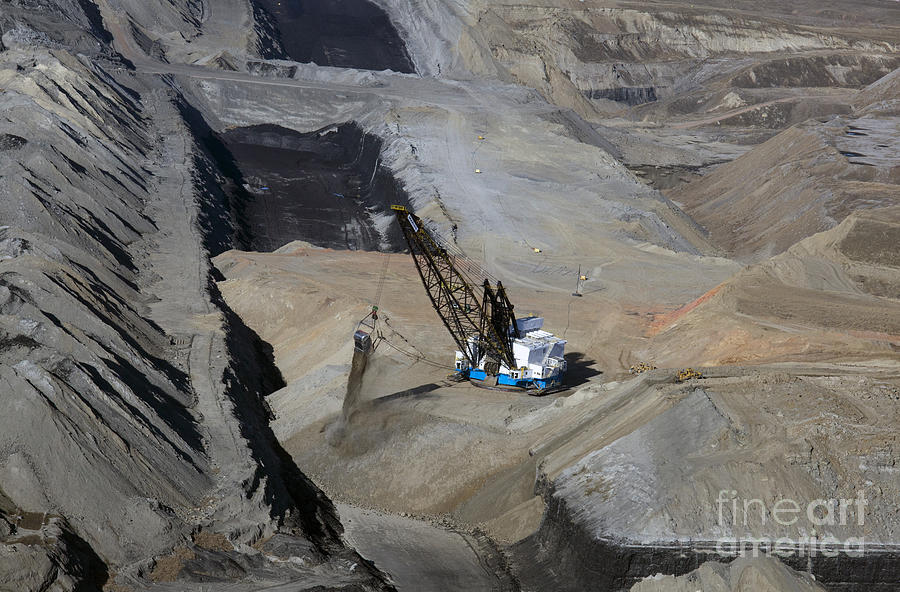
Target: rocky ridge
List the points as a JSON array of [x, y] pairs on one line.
[[138, 424]]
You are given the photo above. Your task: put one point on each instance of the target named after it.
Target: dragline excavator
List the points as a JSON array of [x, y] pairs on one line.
[[495, 348]]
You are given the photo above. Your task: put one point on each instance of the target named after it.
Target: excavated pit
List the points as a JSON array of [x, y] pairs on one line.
[[327, 187], [346, 34], [324, 187]]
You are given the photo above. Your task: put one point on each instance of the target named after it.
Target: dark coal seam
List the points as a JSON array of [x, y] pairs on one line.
[[269, 36]]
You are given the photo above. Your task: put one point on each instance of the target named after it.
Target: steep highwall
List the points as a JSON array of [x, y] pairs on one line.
[[563, 556], [96, 422], [132, 410]]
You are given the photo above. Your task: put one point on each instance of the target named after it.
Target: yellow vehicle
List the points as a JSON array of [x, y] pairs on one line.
[[640, 368], [688, 374]]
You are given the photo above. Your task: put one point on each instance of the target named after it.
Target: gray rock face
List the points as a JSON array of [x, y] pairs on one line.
[[91, 383], [601, 58], [45, 554], [73, 24], [637, 473], [649, 502], [28, 568], [131, 403]]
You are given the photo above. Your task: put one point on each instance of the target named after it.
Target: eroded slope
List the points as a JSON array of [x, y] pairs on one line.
[[132, 413]]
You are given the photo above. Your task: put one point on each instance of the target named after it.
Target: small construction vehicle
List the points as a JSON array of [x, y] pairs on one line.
[[688, 374], [640, 368]]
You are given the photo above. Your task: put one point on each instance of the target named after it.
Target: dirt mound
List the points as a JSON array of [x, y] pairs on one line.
[[745, 574], [92, 381], [802, 181], [873, 240], [832, 296], [132, 395], [882, 96]]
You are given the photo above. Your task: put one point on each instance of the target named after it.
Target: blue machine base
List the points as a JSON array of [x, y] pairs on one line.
[[506, 380], [545, 384], [477, 374]]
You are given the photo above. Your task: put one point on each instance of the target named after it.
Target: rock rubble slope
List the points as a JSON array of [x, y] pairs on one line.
[[133, 415]]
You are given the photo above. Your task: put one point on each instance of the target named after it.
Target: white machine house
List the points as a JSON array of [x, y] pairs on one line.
[[539, 355]]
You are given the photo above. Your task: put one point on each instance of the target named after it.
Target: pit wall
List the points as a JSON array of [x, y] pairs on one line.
[[563, 556]]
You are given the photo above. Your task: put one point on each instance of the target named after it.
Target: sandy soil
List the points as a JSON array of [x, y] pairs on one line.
[[416, 555], [421, 444]]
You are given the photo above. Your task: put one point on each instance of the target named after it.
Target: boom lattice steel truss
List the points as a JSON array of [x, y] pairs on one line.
[[480, 327]]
